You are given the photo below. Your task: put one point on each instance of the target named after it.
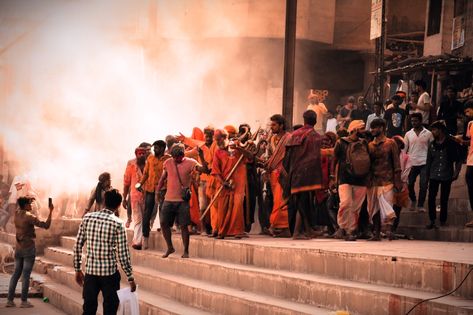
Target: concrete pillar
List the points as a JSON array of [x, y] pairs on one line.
[[289, 61]]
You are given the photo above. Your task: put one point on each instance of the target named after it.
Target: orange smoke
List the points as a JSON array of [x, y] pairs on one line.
[[83, 90]]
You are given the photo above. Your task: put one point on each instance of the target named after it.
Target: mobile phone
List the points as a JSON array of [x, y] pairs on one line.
[[50, 202]]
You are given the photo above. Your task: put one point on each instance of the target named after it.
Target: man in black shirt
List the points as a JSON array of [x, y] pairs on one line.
[[443, 167], [361, 112], [344, 116], [450, 109], [395, 117]]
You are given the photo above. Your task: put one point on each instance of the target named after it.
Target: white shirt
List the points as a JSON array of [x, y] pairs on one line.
[[372, 117], [332, 125], [320, 110], [469, 133], [417, 145], [424, 98]]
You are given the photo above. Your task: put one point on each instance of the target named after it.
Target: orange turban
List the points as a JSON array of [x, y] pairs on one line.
[[230, 129], [356, 124]]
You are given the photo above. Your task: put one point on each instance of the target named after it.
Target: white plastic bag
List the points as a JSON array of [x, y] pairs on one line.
[[128, 302], [385, 199], [156, 224]]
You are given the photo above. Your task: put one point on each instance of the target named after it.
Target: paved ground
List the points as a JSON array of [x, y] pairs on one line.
[[447, 251], [40, 308], [5, 281]]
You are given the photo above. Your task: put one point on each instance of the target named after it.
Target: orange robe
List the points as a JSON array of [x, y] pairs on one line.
[[279, 214], [211, 182], [196, 139], [194, 206], [279, 217], [194, 202], [212, 186], [230, 202]]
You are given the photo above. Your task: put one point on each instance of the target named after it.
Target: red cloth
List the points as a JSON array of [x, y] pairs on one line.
[[194, 206], [198, 134], [325, 161], [279, 214], [302, 161], [230, 202]]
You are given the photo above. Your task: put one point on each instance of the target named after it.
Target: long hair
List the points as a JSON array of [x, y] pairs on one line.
[[100, 186]]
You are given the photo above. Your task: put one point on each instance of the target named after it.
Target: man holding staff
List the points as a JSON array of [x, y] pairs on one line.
[[230, 159]]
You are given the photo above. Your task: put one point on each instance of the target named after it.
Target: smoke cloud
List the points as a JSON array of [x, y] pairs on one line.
[[84, 82]]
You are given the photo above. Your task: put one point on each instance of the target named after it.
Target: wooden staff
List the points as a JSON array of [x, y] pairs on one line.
[[214, 198]]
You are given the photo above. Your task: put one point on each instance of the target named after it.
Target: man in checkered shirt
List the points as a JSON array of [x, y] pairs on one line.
[[105, 236]]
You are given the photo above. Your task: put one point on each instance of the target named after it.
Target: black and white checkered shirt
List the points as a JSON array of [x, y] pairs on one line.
[[105, 235]]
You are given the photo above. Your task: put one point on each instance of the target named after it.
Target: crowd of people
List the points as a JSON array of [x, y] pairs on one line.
[[347, 175]]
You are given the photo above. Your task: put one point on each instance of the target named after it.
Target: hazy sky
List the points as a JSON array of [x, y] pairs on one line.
[[84, 82]]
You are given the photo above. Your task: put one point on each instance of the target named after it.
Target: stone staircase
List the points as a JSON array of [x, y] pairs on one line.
[[159, 291], [413, 223], [44, 238], [459, 212], [261, 275]]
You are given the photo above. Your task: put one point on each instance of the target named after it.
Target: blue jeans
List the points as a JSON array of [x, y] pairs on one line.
[[24, 261]]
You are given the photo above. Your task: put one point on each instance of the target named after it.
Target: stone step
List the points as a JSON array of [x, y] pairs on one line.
[[150, 303], [42, 265], [219, 299], [443, 234], [58, 226], [44, 238], [343, 260], [179, 279], [457, 204], [64, 297], [457, 219], [68, 241], [34, 291], [308, 289], [60, 255], [198, 294], [397, 267], [8, 238]]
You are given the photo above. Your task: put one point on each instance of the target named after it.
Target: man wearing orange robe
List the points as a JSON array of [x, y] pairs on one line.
[[277, 174], [211, 189], [194, 152], [206, 180], [230, 201]]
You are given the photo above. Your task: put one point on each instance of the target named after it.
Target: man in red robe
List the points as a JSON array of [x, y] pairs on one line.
[[229, 204], [302, 163]]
